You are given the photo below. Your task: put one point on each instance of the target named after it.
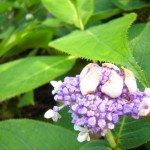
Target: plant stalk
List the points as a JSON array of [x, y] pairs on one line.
[[110, 139]]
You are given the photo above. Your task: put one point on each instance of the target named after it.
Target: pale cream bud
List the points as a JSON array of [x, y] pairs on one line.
[[130, 80], [113, 87], [90, 78]]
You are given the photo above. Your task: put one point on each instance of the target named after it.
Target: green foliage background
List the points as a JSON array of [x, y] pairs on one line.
[[44, 40]]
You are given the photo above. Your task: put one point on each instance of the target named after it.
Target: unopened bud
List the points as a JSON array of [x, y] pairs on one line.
[[29, 17], [90, 77], [130, 80], [113, 87]]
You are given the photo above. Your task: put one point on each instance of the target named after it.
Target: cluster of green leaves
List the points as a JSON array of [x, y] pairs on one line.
[[32, 33]]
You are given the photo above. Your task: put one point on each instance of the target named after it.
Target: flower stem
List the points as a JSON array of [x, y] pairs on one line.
[[110, 139]]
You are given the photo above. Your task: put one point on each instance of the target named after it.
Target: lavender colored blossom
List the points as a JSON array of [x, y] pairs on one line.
[[99, 110]]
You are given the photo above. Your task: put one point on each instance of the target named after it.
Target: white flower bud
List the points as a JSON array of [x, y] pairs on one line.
[[90, 77], [130, 80], [29, 17], [144, 108], [111, 66], [52, 114], [113, 87], [56, 85]]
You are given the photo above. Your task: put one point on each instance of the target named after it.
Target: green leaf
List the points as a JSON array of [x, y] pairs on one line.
[[130, 4], [52, 22], [66, 119], [134, 31], [16, 37], [130, 133], [29, 3], [27, 134], [35, 38], [139, 38], [96, 145], [75, 12], [4, 6], [104, 43], [104, 9], [25, 39], [26, 74], [6, 32], [26, 99]]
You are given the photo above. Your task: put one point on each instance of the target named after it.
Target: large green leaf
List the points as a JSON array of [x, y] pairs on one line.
[[130, 133], [75, 12], [130, 4], [104, 43], [139, 38], [96, 145], [26, 74], [26, 134], [104, 9]]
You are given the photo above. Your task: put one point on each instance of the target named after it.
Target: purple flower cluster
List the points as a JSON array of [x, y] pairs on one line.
[[97, 110]]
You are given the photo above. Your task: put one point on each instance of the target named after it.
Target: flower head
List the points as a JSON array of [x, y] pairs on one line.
[[98, 97]]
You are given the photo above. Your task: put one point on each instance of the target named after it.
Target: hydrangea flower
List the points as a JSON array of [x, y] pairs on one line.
[[98, 97]]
